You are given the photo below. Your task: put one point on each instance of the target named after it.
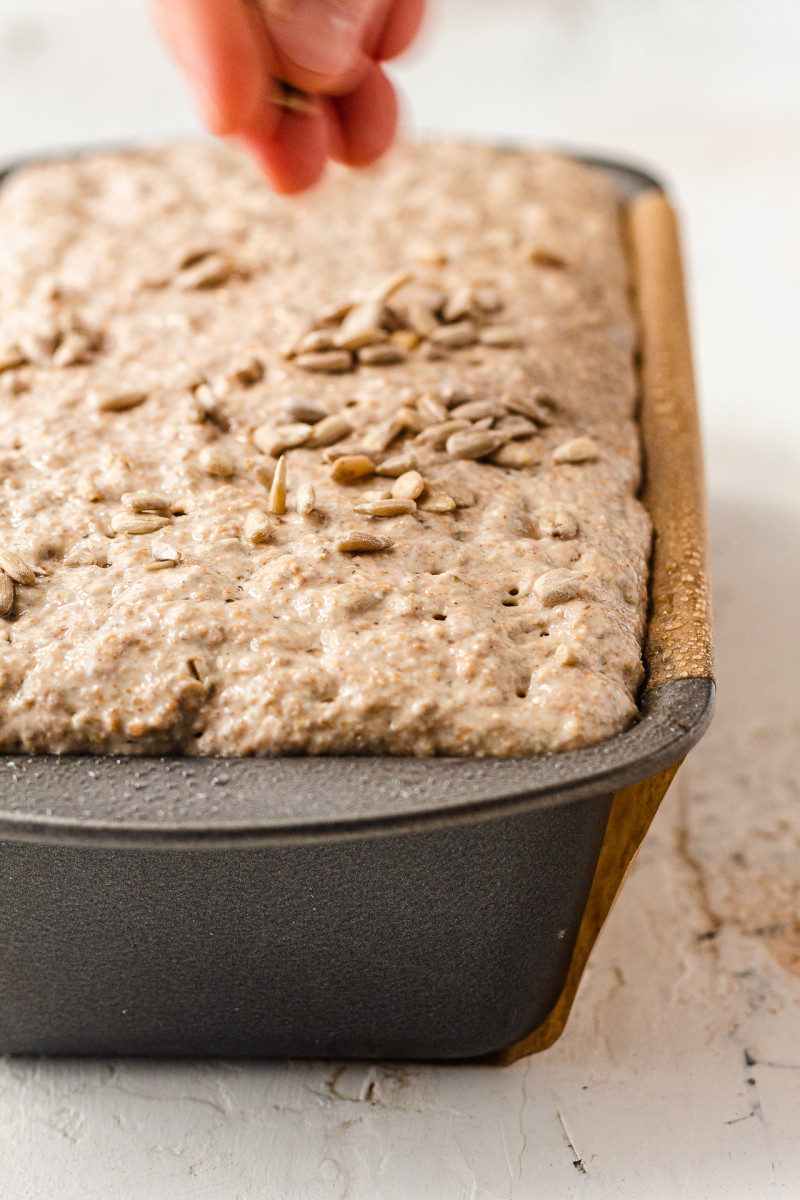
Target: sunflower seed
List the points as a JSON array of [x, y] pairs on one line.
[[216, 461], [112, 401], [328, 431], [399, 464], [248, 371], [455, 337], [438, 502], [369, 497], [544, 256], [352, 466], [533, 405], [123, 522], [257, 528], [566, 655], [76, 348], [461, 304], [501, 336], [277, 493], [512, 455], [406, 339], [87, 489], [210, 272], [305, 500], [421, 319], [390, 285], [452, 394], [6, 593], [363, 326], [160, 564], [437, 435], [558, 586], [381, 356], [16, 567], [472, 444], [327, 362], [517, 427], [274, 441], [315, 341], [393, 507], [306, 411], [483, 423], [207, 404], [408, 486], [557, 524], [577, 450], [474, 410], [138, 502], [293, 99], [489, 300], [362, 543], [432, 411], [11, 357], [381, 436]]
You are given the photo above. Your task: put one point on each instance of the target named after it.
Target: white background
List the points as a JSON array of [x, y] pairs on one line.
[[679, 1073]]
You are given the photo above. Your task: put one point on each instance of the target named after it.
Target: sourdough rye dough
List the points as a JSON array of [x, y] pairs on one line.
[[149, 304]]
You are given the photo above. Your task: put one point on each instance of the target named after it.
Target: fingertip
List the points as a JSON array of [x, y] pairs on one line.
[[293, 156], [367, 120]]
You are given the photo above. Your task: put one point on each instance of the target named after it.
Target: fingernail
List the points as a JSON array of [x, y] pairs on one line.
[[323, 36]]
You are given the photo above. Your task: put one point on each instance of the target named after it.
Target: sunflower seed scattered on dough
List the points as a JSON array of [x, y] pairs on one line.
[[558, 586], [406, 339], [393, 507], [16, 567], [557, 524], [11, 357], [437, 435], [461, 304], [381, 436], [277, 493], [87, 489], [501, 336], [566, 655], [257, 528], [273, 442], [216, 461], [369, 496], [421, 319], [313, 341], [212, 271], [363, 326], [111, 401], [305, 500], [381, 356], [577, 450], [474, 410], [474, 444], [327, 362], [517, 427], [75, 348], [352, 466], [512, 455], [432, 411], [6, 593], [532, 405], [408, 486], [160, 564], [123, 522], [438, 502], [398, 465], [138, 502], [455, 337], [293, 99], [306, 411], [489, 300], [387, 287], [362, 543], [452, 394], [328, 431]]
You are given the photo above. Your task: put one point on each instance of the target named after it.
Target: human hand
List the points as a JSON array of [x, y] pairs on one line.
[[235, 51]]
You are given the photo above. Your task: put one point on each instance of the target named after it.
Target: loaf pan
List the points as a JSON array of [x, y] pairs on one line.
[[363, 907]]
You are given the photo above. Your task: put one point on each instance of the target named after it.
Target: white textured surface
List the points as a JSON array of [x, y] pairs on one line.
[[679, 1074]]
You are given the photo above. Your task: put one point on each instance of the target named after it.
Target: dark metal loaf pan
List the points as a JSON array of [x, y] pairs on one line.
[[362, 907]]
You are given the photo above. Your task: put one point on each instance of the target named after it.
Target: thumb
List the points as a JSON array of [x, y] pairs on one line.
[[321, 36]]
